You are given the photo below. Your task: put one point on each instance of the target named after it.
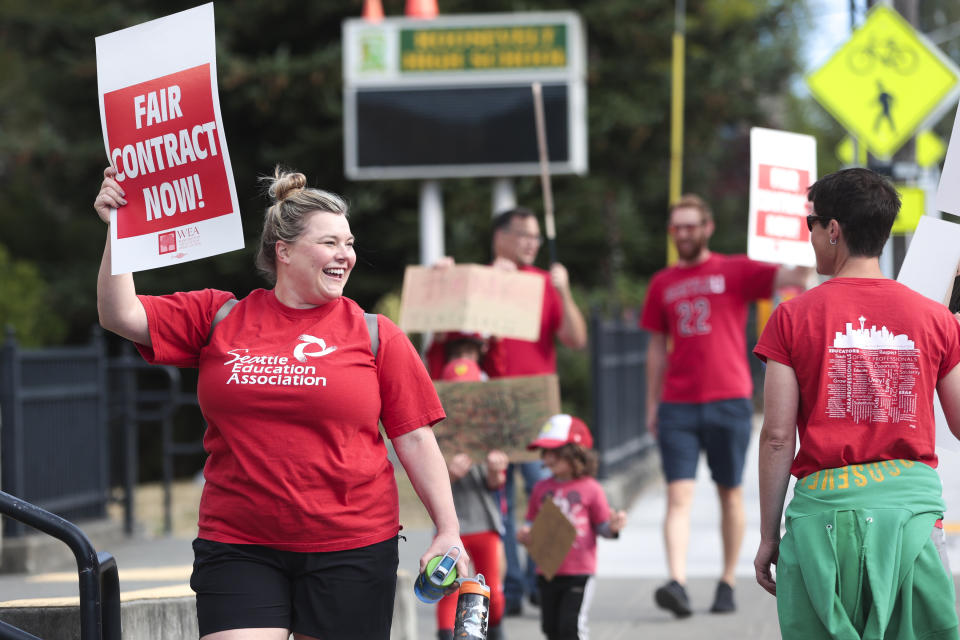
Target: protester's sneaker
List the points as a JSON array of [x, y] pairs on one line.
[[723, 600], [673, 597]]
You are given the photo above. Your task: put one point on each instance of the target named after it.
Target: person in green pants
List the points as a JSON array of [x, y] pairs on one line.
[[852, 365]]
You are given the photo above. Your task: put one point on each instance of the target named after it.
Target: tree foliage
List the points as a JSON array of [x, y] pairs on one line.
[[279, 72], [281, 97], [26, 305]]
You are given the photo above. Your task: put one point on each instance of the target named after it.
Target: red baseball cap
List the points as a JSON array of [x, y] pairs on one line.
[[560, 430]]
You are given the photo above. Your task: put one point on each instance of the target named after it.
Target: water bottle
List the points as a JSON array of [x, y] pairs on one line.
[[473, 609], [438, 577]]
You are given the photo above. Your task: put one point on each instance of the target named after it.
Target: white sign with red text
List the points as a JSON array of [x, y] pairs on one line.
[[160, 113], [782, 166]]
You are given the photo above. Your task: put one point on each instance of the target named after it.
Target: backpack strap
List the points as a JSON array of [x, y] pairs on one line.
[[374, 330], [220, 315]]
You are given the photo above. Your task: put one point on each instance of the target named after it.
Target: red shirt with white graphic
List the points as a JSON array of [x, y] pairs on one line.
[[531, 358], [703, 309], [867, 354], [583, 502], [292, 399]]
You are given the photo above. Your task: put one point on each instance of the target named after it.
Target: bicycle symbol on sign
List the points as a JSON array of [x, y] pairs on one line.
[[886, 53]]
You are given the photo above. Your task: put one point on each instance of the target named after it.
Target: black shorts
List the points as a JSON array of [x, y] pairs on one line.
[[721, 428], [334, 595]]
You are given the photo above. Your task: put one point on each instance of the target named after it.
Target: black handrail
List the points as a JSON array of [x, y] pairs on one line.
[[99, 580]]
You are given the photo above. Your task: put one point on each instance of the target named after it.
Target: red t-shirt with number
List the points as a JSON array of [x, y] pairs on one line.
[[867, 354], [703, 309], [292, 399]]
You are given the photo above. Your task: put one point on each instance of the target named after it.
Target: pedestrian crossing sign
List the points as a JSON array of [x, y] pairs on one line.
[[885, 82]]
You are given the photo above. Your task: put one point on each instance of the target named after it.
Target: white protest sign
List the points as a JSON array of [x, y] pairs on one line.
[[782, 166], [948, 193], [472, 298], [929, 268], [162, 129]]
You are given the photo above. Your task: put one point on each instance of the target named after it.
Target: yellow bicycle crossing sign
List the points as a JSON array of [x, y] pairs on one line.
[[885, 82]]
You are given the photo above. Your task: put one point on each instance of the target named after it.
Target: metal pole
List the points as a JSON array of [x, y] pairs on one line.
[[676, 112], [540, 121], [130, 437], [853, 27], [431, 222]]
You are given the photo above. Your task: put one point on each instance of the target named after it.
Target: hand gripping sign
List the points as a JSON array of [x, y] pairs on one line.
[[163, 132]]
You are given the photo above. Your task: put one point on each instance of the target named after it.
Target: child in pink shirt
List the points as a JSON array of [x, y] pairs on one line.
[[566, 446]]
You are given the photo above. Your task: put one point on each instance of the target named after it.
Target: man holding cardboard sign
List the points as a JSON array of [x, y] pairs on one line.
[[516, 242]]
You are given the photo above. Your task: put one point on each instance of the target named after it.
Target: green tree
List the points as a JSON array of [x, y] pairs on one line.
[[26, 305], [279, 71]]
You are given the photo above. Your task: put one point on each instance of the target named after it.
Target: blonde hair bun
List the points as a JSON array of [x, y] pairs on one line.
[[285, 183]]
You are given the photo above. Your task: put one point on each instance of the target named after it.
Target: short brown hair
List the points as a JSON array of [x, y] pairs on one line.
[[692, 201], [582, 461]]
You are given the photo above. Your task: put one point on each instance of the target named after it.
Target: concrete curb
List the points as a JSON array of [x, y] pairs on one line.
[[626, 484], [169, 618], [38, 553], [170, 614]]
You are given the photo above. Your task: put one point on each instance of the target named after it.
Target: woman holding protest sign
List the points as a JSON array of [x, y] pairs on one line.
[[299, 517]]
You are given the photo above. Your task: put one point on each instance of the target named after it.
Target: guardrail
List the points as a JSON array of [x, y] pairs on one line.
[[98, 578]]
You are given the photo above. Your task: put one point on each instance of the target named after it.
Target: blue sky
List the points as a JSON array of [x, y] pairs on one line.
[[831, 27]]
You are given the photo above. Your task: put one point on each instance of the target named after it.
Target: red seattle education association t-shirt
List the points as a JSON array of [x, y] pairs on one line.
[[292, 399], [867, 354], [703, 308]]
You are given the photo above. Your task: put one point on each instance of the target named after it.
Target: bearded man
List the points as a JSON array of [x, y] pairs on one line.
[[699, 394]]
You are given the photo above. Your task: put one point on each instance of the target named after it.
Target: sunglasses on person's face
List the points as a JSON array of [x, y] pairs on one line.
[[815, 218]]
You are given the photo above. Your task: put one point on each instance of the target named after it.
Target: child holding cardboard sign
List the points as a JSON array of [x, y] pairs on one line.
[[565, 579], [481, 522]]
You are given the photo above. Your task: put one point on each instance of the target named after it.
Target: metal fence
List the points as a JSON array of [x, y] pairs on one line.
[[146, 395], [63, 408], [53, 445], [618, 366]]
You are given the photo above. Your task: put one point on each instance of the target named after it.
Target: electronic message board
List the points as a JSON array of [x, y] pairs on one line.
[[450, 97]]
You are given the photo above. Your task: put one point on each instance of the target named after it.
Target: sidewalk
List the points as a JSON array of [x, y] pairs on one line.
[[629, 569]]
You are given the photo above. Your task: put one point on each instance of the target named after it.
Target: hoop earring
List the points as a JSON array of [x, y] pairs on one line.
[[833, 241]]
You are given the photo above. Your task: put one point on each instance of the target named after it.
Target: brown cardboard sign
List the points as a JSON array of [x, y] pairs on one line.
[[504, 413], [551, 538], [472, 298]]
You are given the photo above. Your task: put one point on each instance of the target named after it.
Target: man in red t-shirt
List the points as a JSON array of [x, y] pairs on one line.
[[516, 242], [698, 393]]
